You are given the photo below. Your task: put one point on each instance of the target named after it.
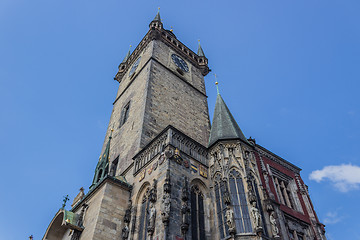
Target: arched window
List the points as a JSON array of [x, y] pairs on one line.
[[197, 214], [239, 203], [144, 216], [220, 206], [99, 176]]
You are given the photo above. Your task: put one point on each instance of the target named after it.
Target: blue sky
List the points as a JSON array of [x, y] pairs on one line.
[[288, 71]]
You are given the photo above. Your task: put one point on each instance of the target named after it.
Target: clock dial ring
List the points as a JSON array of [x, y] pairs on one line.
[[134, 66], [180, 63]]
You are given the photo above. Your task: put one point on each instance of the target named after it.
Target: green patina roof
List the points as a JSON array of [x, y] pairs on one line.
[[224, 125], [200, 52]]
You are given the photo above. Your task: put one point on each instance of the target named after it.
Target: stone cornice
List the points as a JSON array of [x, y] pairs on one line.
[[177, 139], [170, 40]]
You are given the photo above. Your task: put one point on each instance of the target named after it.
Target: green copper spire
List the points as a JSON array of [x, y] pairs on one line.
[[102, 168], [157, 17], [127, 56], [224, 125], [200, 52]]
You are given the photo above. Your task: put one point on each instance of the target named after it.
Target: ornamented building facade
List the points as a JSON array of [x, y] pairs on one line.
[[166, 173]]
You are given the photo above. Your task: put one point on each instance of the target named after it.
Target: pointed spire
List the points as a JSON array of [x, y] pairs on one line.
[[157, 17], [127, 56], [200, 52], [224, 125]]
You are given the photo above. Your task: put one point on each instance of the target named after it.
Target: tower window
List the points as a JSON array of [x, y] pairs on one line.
[[114, 166], [197, 214], [124, 114]]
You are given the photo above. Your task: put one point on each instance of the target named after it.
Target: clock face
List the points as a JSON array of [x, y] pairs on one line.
[[135, 65], [180, 63]]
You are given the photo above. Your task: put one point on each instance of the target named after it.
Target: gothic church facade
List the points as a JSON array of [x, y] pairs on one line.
[[166, 173]]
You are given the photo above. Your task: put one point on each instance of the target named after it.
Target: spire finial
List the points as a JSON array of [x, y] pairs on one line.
[[171, 29], [216, 83], [127, 55], [200, 52], [157, 17]]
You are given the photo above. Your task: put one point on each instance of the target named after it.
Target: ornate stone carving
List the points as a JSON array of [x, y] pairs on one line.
[[153, 192], [80, 221], [185, 210], [274, 228], [185, 190], [152, 218], [125, 232], [166, 201], [229, 215], [256, 217], [184, 207], [226, 197], [127, 218]]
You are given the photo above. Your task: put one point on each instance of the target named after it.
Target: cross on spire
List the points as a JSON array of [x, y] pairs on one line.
[[66, 198]]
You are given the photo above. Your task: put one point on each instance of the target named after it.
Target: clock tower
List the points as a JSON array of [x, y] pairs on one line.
[[165, 173], [161, 84]]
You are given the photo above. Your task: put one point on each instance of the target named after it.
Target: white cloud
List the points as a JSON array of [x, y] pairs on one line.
[[344, 177], [332, 218]]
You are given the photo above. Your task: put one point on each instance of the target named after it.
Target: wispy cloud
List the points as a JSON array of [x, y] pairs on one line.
[[344, 177], [332, 217]]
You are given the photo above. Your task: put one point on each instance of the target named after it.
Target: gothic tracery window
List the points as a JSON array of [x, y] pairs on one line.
[[197, 214], [220, 206], [238, 200]]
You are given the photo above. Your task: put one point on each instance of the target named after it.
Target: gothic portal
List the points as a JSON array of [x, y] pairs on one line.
[[166, 173]]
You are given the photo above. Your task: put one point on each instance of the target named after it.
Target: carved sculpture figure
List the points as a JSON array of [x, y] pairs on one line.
[[166, 201], [256, 216], [153, 192], [184, 213], [127, 215], [274, 228], [152, 216], [125, 232], [229, 215]]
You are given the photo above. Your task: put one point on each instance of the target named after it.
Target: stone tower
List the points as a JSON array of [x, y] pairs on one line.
[[164, 173]]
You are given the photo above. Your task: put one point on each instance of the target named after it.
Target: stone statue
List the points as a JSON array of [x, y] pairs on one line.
[[153, 192], [184, 218], [127, 216], [152, 218], [229, 215], [184, 213], [185, 190], [256, 216], [166, 201], [125, 232], [274, 228]]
